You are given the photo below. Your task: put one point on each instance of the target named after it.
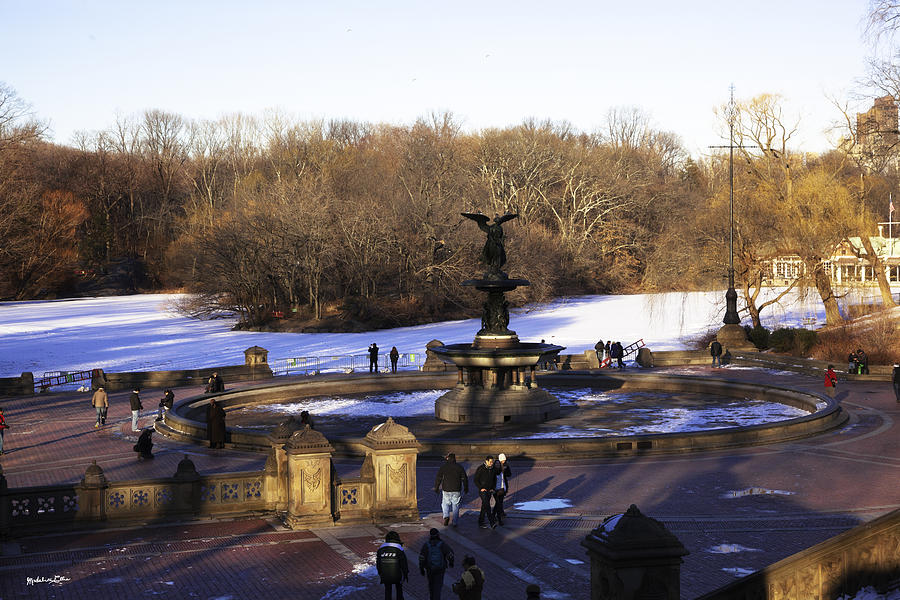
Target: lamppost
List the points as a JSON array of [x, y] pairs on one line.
[[732, 334]]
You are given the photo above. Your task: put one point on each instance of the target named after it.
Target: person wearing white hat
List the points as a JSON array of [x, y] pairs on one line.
[[895, 378], [501, 475]]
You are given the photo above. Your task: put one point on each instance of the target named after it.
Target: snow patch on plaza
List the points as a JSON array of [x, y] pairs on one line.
[[870, 593], [738, 571], [756, 491], [545, 504], [730, 548]]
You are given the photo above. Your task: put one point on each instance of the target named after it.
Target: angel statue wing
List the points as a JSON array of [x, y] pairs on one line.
[[479, 218], [507, 217]]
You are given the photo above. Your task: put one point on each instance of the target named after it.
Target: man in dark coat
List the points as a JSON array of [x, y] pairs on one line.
[[215, 424], [434, 559], [618, 354], [373, 358], [863, 359], [484, 483], [392, 566], [598, 349], [452, 481], [715, 350], [502, 474], [136, 407]]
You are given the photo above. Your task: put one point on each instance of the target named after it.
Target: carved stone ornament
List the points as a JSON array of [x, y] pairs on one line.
[[186, 470], [390, 434], [93, 476], [633, 535], [285, 429], [312, 479], [307, 441]]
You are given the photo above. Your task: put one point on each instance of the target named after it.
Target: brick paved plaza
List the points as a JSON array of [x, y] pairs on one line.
[[832, 482]]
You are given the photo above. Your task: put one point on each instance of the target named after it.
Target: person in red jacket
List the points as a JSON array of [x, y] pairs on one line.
[[3, 428], [830, 381]]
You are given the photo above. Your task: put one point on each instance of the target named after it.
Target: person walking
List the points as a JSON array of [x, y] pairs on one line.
[[136, 407], [395, 356], [215, 424], [608, 349], [392, 565], [471, 582], [434, 558], [3, 428], [598, 349], [452, 481], [863, 359], [895, 378], [830, 381], [100, 402], [484, 483], [502, 474], [373, 358], [715, 350], [165, 404]]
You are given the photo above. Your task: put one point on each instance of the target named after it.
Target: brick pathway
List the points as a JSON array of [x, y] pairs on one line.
[[835, 481]]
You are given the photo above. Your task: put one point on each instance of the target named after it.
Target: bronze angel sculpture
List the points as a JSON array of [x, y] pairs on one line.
[[492, 255]]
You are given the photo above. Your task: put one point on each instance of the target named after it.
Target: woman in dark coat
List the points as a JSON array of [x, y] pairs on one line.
[[215, 424]]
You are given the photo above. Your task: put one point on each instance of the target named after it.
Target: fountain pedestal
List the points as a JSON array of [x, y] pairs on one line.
[[496, 372]]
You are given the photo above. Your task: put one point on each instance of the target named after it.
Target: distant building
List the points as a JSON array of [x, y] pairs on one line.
[[847, 266], [876, 129]]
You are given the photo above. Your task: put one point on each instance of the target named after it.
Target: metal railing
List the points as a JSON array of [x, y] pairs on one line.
[[347, 363]]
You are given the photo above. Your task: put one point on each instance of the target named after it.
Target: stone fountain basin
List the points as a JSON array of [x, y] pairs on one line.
[[522, 355]]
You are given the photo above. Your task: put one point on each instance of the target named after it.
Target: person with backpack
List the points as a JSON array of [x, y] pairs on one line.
[[471, 582], [452, 482], [392, 565], [715, 350], [435, 557]]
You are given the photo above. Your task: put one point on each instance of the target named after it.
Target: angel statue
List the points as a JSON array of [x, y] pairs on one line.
[[492, 255]]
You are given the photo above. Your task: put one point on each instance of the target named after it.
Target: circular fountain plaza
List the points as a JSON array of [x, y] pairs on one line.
[[600, 414]]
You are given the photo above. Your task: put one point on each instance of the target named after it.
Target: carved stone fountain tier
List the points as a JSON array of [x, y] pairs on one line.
[[496, 381]]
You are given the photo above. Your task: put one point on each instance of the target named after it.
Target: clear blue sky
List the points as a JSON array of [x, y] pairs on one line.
[[491, 63]]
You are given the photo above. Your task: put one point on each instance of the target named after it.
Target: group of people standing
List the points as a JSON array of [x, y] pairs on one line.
[[394, 355], [491, 480], [858, 363], [612, 351]]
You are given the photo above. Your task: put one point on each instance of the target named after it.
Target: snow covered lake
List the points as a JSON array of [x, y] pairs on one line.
[[145, 332]]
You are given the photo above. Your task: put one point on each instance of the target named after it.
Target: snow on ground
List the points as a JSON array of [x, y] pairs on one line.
[[739, 571], [756, 491], [544, 504], [143, 332], [870, 593], [730, 548]]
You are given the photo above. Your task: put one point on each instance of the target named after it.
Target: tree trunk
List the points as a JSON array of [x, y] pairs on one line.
[[823, 285], [878, 268]]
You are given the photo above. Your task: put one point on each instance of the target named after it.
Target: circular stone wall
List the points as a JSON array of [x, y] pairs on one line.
[[187, 420]]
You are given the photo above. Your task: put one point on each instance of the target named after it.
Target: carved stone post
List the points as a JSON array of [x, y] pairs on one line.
[[187, 487], [393, 451], [432, 362], [92, 494], [309, 479], [278, 495], [633, 557]]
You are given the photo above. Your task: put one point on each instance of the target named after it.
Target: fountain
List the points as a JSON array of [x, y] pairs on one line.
[[496, 372]]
